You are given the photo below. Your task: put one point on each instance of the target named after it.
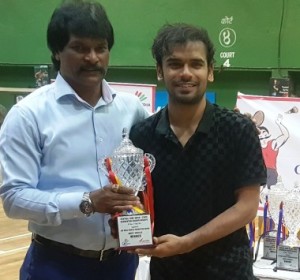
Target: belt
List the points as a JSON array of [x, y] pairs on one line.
[[101, 255]]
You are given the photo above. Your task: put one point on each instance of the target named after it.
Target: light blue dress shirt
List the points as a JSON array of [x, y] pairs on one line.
[[50, 146]]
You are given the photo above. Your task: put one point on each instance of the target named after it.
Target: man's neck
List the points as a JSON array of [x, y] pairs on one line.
[[90, 95], [184, 119]]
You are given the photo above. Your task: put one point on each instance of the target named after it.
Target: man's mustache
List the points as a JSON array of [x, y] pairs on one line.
[[99, 69]]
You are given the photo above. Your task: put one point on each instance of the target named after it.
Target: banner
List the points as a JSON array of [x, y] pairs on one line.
[[145, 92], [278, 119]]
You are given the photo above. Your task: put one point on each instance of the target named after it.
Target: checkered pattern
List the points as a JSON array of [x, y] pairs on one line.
[[195, 183]]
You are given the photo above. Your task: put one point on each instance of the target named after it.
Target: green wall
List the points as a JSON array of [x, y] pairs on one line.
[[265, 30], [262, 41]]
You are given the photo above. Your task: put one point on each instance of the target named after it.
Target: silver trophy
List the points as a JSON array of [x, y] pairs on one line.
[[130, 167], [276, 195], [288, 257], [127, 164], [291, 210]]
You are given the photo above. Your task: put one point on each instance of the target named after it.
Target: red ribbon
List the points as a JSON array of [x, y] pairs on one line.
[[149, 192], [251, 235], [279, 232], [266, 206]]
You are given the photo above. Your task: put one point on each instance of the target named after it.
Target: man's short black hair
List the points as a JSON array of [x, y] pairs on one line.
[[171, 35], [81, 19]]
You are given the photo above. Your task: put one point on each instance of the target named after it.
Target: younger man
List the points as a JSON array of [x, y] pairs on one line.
[[209, 168]]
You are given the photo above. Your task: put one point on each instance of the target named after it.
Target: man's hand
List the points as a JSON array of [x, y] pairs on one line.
[[165, 246], [113, 198]]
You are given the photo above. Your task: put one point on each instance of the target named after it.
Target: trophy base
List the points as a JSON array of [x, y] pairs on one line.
[[288, 258], [135, 231], [269, 249]]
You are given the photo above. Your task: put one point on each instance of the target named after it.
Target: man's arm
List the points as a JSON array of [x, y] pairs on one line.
[[234, 218], [229, 221], [21, 156]]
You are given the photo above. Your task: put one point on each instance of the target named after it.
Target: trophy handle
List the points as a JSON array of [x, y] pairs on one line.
[[104, 164], [150, 161]]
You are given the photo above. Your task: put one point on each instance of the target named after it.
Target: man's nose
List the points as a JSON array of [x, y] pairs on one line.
[[186, 72], [92, 56]]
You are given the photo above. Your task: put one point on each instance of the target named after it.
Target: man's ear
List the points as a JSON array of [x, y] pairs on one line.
[[210, 77], [159, 73]]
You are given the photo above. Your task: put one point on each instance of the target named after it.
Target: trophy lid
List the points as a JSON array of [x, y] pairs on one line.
[[126, 146]]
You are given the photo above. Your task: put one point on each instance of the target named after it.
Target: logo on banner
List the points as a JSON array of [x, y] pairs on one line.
[[141, 96], [271, 144], [145, 93]]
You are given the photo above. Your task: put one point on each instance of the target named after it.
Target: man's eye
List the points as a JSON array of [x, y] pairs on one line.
[[174, 65], [101, 49], [78, 49], [197, 65]]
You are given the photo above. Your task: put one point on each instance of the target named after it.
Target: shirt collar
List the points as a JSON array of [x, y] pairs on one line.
[[163, 125], [63, 89]]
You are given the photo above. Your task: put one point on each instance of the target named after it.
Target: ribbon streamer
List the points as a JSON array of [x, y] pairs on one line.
[[149, 191], [266, 206], [251, 236], [280, 230]]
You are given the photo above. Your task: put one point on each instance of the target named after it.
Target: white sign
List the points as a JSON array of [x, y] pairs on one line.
[[278, 119], [145, 92], [280, 133], [134, 231]]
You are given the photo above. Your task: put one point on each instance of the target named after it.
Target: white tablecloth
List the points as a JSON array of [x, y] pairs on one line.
[[143, 269], [263, 269]]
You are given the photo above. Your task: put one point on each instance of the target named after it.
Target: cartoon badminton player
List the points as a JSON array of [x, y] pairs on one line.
[[270, 146]]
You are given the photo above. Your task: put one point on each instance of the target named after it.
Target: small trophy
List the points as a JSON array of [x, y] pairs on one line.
[[128, 166], [288, 257]]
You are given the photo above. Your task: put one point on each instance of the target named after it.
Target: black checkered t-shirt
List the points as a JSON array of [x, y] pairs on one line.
[[195, 183]]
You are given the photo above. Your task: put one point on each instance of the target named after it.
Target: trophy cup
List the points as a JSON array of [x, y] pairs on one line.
[[128, 166], [275, 196], [288, 252], [268, 244], [291, 205], [272, 239]]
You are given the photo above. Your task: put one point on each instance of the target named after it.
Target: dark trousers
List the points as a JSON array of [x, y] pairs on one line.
[[43, 263]]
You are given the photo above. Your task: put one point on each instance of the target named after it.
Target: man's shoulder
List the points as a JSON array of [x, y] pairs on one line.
[[229, 116], [126, 96], [36, 98], [151, 121], [146, 126], [129, 100]]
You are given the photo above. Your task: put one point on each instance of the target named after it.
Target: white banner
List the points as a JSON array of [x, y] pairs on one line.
[[145, 92], [278, 119]]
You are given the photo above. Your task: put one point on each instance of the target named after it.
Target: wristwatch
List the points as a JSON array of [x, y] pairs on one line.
[[86, 206]]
